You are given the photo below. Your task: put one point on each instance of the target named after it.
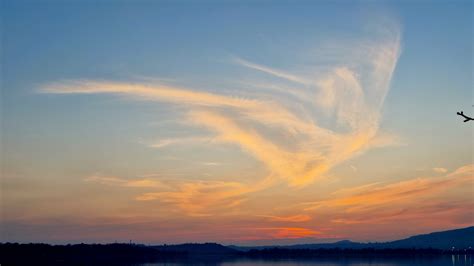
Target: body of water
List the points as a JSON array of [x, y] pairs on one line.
[[454, 260]]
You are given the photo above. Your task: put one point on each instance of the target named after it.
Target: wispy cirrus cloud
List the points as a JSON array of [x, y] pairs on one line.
[[435, 212], [289, 232], [211, 163], [116, 181], [195, 197], [440, 170], [291, 218], [380, 194], [419, 198], [162, 143], [352, 95], [271, 71]]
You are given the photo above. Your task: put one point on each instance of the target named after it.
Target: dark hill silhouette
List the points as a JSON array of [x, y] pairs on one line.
[[459, 238], [343, 244], [194, 249]]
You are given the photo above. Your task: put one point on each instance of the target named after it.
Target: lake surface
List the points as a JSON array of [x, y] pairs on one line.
[[454, 260]]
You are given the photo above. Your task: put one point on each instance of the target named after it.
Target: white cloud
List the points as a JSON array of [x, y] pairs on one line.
[[440, 170]]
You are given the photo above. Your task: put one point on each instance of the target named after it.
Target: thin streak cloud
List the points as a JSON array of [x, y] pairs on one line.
[[292, 218], [272, 71], [178, 141]]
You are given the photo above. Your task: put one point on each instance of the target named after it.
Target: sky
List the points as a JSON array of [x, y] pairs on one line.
[[238, 122]]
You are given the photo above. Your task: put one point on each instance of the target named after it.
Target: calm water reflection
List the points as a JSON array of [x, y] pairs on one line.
[[455, 260]]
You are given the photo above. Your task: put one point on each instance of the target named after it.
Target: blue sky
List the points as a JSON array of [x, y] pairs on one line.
[[55, 139]]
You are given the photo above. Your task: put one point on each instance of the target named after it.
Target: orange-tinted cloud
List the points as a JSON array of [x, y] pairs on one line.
[[289, 232], [195, 198], [430, 199], [292, 218], [404, 191], [115, 181], [292, 145]]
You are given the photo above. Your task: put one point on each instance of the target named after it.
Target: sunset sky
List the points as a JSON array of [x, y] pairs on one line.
[[238, 122]]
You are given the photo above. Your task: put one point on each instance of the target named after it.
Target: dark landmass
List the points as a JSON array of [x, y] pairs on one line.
[[343, 244], [199, 250], [81, 254], [458, 238], [457, 241]]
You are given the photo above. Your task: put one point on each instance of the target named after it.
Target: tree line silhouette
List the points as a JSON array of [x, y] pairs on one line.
[[123, 254]]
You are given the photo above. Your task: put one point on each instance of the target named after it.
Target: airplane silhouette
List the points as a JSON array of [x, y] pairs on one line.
[[467, 118]]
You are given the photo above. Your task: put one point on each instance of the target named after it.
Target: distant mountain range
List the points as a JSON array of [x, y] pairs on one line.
[[458, 238]]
